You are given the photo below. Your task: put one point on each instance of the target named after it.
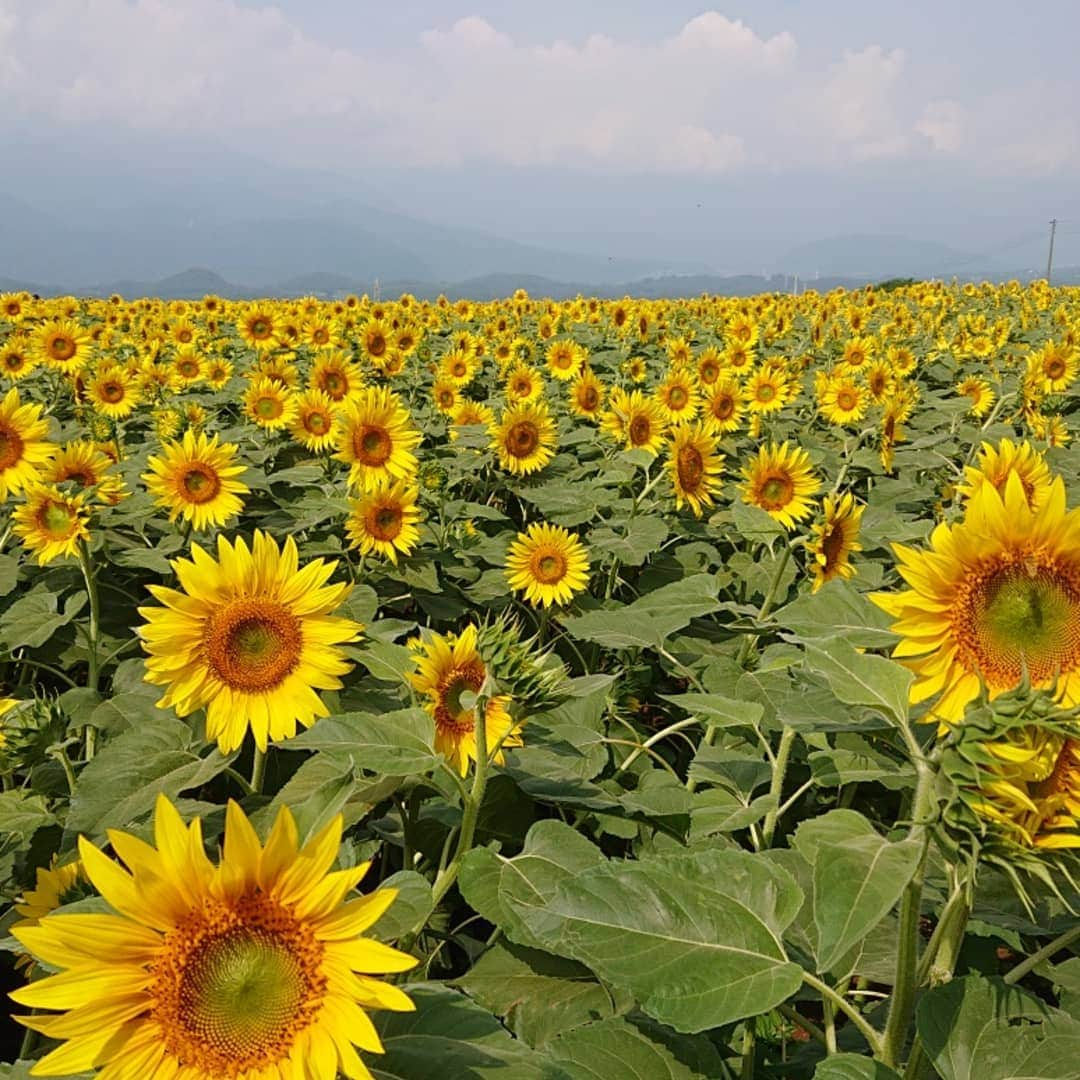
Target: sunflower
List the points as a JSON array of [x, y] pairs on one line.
[[995, 464], [980, 392], [23, 448], [843, 401], [741, 330], [247, 969], [53, 886], [63, 344], [83, 463], [768, 389], [321, 332], [218, 372], [383, 520], [112, 392], [16, 360], [447, 667], [258, 327], [469, 414], [635, 421], [376, 438], [880, 381], [183, 332], [738, 357], [50, 522], [315, 423], [723, 408], [995, 597], [459, 366], [710, 366], [565, 359], [780, 481], [587, 396], [548, 564], [196, 478], [188, 365], [375, 341], [523, 384], [835, 538], [251, 637], [524, 439], [636, 369], [1054, 366], [444, 393], [336, 376], [1029, 788], [695, 465], [858, 352], [678, 397], [269, 404]]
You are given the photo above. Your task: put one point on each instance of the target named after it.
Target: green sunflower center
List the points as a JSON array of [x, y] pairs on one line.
[[56, 519], [776, 491], [252, 645], [373, 446], [200, 483]]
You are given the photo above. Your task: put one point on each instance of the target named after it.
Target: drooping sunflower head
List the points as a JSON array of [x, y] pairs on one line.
[[524, 440], [995, 599], [835, 538], [781, 482], [376, 438], [548, 564], [195, 478], [384, 519], [250, 637], [694, 464], [53, 886], [449, 674], [995, 463], [250, 968]]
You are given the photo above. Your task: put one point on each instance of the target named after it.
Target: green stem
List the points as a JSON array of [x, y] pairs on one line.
[[748, 1055], [93, 674], [240, 779], [776, 786], [766, 606], [258, 771], [652, 740], [939, 957], [865, 1028], [808, 1026], [902, 1004], [1036, 958]]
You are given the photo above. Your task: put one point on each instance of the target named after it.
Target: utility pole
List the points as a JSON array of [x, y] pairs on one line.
[[1050, 255]]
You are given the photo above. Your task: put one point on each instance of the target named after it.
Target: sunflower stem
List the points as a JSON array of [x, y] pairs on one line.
[[1036, 958], [776, 786], [865, 1028], [258, 771], [766, 606], [93, 674]]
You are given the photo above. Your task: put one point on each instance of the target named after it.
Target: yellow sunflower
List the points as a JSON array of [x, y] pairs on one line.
[[112, 392], [218, 372], [459, 366], [84, 463], [565, 359], [524, 439], [249, 969], [1054, 366], [678, 397], [710, 366], [383, 520], [635, 421], [835, 538], [196, 478], [16, 359], [258, 327], [470, 413], [981, 394], [548, 564], [444, 393], [269, 404], [63, 344], [376, 438], [376, 341], [188, 365], [694, 464], [50, 523], [780, 481], [767, 390], [23, 447], [587, 396], [843, 401], [723, 408], [448, 667], [336, 376], [995, 464], [996, 595], [250, 637], [53, 886], [523, 384], [315, 423]]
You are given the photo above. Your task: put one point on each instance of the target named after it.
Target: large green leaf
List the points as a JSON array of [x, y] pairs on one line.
[[400, 742], [451, 1036], [36, 616], [853, 1067], [860, 679], [627, 1050], [122, 783], [838, 610], [981, 1029], [652, 618], [695, 936]]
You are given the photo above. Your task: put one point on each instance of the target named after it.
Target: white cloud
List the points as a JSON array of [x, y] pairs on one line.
[[711, 97]]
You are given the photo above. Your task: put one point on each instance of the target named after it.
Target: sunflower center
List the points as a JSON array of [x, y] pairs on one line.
[[184, 337], [376, 344], [318, 423], [847, 399], [677, 398], [269, 408], [373, 446], [333, 384], [11, 446], [62, 347], [1055, 368], [189, 368], [589, 398], [723, 407], [832, 547], [691, 468], [522, 439], [766, 392], [709, 373], [549, 567], [252, 645], [200, 483], [640, 430], [385, 523], [450, 715], [57, 519], [776, 491], [1020, 611], [235, 985], [260, 329], [112, 392]]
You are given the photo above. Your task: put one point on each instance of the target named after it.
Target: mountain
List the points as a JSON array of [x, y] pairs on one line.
[[876, 257]]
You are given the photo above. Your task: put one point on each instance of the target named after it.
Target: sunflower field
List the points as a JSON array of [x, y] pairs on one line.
[[670, 690]]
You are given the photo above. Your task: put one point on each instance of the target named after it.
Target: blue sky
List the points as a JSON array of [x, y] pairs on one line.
[[625, 124]]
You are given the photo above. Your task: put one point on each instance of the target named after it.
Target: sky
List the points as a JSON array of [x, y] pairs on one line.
[[720, 136]]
